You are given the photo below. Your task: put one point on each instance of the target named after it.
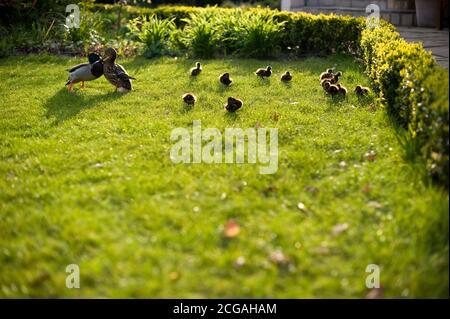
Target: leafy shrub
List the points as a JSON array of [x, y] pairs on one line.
[[415, 91], [154, 33], [258, 35], [201, 34]]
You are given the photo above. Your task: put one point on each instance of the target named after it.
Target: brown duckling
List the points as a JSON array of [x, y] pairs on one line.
[[331, 88], [225, 79], [189, 98], [233, 104], [286, 77], [335, 77], [197, 69], [326, 75], [361, 90], [264, 73], [342, 89], [324, 82]]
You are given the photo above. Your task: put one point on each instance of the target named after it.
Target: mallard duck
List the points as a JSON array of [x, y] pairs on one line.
[[342, 89], [264, 73], [328, 74], [286, 77], [189, 98], [115, 73], [197, 69], [225, 79], [361, 90], [335, 77], [233, 104], [85, 71]]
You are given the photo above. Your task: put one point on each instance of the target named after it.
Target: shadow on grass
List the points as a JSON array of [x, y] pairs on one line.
[[64, 105]]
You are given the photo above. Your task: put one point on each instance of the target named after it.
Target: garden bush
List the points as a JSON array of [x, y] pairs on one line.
[[414, 90]]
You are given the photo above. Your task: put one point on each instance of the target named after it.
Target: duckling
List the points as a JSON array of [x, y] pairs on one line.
[[85, 71], [233, 104], [189, 98], [361, 90], [326, 75], [197, 69], [264, 73], [286, 77], [335, 77], [225, 79], [331, 88], [115, 73], [325, 83], [342, 89]]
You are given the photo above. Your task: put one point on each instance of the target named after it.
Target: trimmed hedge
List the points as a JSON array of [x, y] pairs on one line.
[[414, 90]]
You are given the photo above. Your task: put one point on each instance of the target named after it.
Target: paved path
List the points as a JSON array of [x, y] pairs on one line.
[[433, 40]]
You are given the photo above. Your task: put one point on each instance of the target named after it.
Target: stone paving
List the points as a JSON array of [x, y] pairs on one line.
[[433, 40]]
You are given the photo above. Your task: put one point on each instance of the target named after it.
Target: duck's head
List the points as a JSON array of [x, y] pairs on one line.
[[339, 73], [198, 65], [110, 55], [330, 71], [269, 68], [93, 57], [358, 88], [326, 85], [231, 100], [226, 75], [288, 73]]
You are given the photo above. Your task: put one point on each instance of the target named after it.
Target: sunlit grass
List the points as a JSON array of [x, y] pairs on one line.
[[86, 178]]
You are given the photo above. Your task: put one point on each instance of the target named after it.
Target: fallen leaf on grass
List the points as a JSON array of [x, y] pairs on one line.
[[342, 165], [302, 207], [240, 261], [337, 229], [367, 188], [374, 204], [231, 229], [370, 156], [277, 257], [375, 293]]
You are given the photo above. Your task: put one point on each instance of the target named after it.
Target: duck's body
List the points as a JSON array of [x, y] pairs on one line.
[[286, 77], [335, 77], [331, 88], [233, 104], [264, 73], [326, 75], [189, 98], [342, 89], [115, 73], [361, 90], [197, 69], [225, 79], [85, 71]]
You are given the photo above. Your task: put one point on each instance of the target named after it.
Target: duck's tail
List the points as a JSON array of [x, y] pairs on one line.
[[68, 82]]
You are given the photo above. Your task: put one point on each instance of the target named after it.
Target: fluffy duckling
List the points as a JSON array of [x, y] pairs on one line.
[[324, 84], [85, 71], [361, 90], [189, 98], [286, 77], [328, 74], [225, 79], [115, 73], [342, 89], [264, 73], [233, 104], [197, 69], [331, 88], [335, 77]]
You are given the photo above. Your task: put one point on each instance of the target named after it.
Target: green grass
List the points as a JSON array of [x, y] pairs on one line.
[[86, 178]]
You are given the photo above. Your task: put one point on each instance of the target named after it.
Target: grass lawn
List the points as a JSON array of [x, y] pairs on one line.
[[86, 178]]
